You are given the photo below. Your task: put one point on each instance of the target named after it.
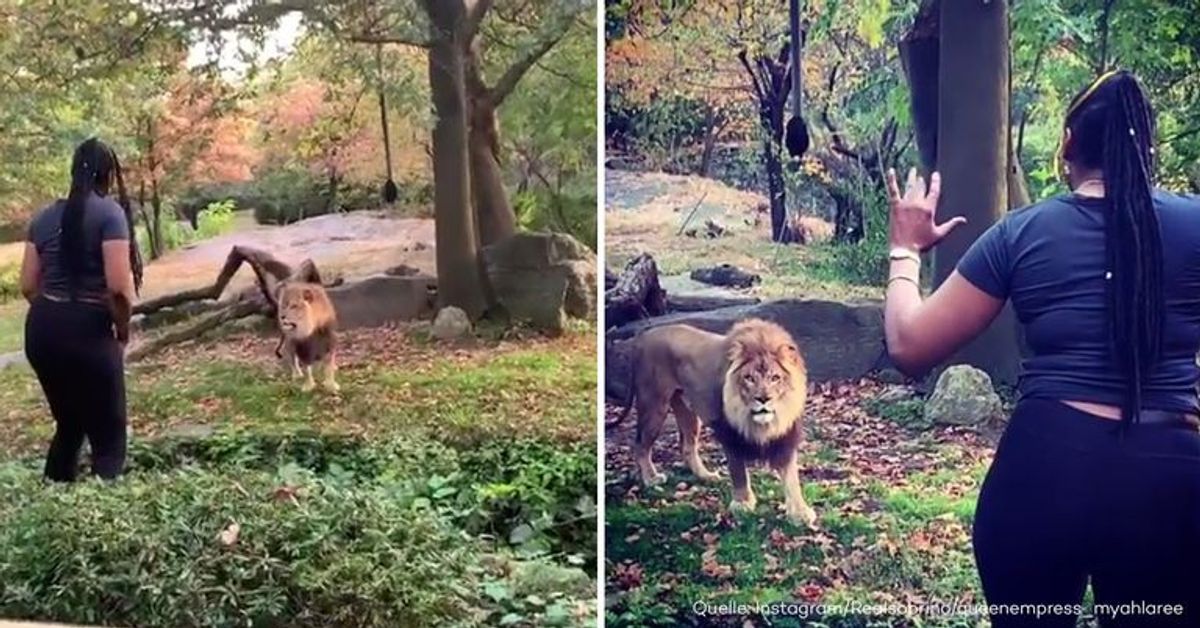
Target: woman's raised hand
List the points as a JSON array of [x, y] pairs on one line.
[[912, 223]]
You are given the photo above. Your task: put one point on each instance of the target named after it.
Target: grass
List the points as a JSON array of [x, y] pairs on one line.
[[12, 325], [488, 445], [895, 504], [787, 271]]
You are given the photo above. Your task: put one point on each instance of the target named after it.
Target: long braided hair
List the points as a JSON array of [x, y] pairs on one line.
[[1112, 126], [94, 169]]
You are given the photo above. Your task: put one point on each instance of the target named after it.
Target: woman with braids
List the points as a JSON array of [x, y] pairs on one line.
[[1097, 476], [80, 274]]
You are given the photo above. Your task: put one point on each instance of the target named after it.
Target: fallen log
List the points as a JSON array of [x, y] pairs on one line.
[[268, 269], [636, 293], [204, 324], [269, 272]]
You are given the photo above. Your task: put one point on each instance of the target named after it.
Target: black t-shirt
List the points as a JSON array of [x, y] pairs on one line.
[[103, 220], [1049, 258]]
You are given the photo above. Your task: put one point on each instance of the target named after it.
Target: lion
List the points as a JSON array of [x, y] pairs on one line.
[[748, 386], [308, 332]]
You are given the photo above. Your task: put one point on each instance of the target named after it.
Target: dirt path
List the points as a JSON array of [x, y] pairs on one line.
[[356, 244]]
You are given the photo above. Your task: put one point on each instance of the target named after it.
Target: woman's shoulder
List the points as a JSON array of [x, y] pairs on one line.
[[48, 212], [1042, 209], [1173, 200], [104, 204]]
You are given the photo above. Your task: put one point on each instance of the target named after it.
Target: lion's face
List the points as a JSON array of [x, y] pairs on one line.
[[296, 316], [766, 383], [762, 381]]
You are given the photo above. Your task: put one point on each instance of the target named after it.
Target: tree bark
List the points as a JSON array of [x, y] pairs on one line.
[[919, 54], [494, 214], [972, 155], [771, 81], [460, 271]]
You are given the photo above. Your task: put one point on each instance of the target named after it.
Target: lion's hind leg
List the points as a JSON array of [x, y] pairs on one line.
[[689, 438], [651, 415]]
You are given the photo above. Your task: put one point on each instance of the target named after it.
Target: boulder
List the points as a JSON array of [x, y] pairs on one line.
[[15, 358], [838, 340], [451, 323], [381, 299], [542, 278], [963, 395]]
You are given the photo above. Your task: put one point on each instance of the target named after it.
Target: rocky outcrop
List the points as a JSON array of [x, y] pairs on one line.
[[542, 278], [382, 299]]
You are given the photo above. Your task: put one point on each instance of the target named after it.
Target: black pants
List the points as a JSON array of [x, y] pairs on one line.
[[81, 367], [1069, 499]]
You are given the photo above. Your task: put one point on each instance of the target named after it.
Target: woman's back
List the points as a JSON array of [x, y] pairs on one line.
[[103, 219], [1050, 259]]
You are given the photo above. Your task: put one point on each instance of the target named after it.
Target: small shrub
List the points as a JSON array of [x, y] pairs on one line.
[[289, 195], [542, 498], [160, 551], [10, 283], [215, 219], [907, 413]]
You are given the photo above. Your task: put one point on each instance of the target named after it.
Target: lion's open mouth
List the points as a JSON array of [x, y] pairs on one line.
[[762, 414], [286, 326]]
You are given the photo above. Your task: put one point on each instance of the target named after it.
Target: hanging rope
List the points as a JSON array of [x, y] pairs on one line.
[[796, 135], [390, 192]]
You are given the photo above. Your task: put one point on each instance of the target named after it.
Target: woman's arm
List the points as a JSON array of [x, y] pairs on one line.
[[922, 333], [31, 273], [118, 275]]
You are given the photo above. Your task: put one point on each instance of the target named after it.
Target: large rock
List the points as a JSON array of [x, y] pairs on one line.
[[542, 278], [838, 340], [451, 323], [381, 299], [963, 395]]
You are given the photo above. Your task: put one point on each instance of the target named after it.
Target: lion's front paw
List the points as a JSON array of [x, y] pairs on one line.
[[705, 475], [654, 479], [333, 387], [308, 386], [802, 515], [743, 505]]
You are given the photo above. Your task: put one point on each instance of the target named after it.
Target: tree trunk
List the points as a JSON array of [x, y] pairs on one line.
[[494, 216], [710, 141], [1018, 188], [154, 230], [919, 55], [460, 272], [777, 189], [972, 155]]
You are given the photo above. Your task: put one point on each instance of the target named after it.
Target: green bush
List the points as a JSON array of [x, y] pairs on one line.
[[288, 195], [533, 495], [572, 212], [148, 551], [10, 282], [216, 219], [864, 262], [542, 500]]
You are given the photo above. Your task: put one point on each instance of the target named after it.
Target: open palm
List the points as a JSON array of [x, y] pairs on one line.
[[912, 224]]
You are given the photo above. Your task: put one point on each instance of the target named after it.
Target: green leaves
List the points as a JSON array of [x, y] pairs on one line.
[[871, 21]]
